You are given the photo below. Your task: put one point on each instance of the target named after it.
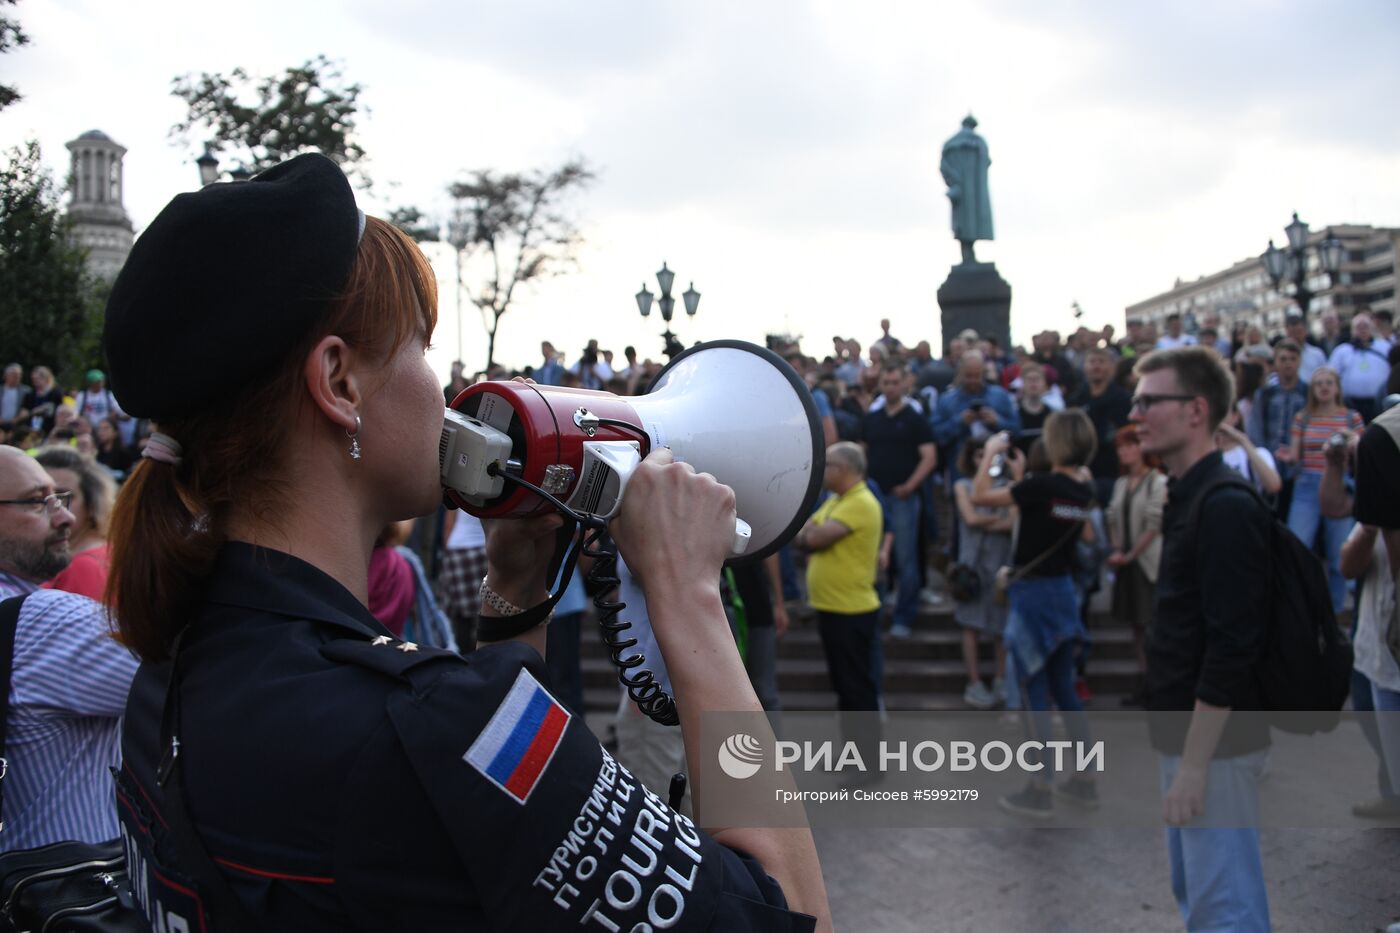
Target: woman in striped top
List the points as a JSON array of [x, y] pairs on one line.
[[1324, 417]]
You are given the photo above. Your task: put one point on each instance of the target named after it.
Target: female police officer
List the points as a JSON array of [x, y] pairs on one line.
[[289, 765]]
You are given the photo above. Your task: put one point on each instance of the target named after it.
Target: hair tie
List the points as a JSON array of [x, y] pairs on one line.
[[163, 448]]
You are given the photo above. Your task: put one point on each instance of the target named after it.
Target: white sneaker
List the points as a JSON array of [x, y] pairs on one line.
[[978, 696], [930, 598]]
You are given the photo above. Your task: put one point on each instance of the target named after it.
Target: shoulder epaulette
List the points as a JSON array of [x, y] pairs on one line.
[[386, 655]]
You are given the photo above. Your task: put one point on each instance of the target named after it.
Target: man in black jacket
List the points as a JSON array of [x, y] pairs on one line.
[[1107, 405], [1204, 644]]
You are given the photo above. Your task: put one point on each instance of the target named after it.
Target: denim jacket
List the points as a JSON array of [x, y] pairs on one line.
[[1271, 419], [948, 429]]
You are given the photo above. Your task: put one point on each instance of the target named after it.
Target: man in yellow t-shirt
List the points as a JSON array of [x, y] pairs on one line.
[[843, 538]]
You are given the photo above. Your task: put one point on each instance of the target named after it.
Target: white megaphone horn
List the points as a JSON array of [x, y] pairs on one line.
[[728, 408]]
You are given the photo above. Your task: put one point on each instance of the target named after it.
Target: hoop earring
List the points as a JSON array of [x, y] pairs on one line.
[[354, 439]]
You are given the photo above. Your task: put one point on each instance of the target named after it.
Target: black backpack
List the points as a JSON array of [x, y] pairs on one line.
[[1304, 670]]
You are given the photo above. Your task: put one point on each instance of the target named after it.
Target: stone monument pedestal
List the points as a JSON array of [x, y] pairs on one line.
[[975, 296]]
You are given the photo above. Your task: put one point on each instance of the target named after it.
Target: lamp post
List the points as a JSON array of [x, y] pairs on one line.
[[665, 278], [1291, 263], [208, 169]]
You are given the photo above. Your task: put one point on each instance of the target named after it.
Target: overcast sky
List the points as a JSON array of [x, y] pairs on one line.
[[784, 155]]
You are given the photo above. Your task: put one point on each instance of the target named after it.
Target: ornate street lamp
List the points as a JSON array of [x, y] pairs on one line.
[[208, 169], [691, 299], [1332, 251], [1290, 265]]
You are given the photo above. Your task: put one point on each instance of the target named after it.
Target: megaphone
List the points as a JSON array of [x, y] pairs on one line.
[[728, 408]]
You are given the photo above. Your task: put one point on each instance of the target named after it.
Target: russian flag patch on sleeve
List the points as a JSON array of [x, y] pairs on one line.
[[521, 738]]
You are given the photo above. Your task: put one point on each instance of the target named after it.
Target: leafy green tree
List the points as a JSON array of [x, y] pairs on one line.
[[11, 37], [252, 123], [50, 307], [515, 226]]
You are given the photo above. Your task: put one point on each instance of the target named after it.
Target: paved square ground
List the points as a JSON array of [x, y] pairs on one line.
[[1063, 880]]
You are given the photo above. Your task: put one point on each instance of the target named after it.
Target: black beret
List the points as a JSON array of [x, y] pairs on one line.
[[224, 282]]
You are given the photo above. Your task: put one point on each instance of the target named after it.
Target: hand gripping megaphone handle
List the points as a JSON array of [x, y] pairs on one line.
[[623, 459], [742, 534]]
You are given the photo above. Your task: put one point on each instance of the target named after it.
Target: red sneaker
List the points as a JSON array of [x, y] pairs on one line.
[[1081, 690]]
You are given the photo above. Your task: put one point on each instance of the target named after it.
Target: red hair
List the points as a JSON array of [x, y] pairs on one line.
[[1128, 434], [170, 521]]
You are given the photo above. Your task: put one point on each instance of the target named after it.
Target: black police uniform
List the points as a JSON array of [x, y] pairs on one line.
[[337, 779]]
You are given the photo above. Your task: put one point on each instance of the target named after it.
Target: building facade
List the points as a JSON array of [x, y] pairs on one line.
[[1244, 294], [99, 220]]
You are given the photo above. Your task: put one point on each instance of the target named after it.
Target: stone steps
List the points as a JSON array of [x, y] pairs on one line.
[[602, 701], [922, 672]]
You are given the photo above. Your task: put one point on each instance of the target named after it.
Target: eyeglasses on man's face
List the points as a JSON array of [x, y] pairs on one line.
[[1146, 400], [43, 505]]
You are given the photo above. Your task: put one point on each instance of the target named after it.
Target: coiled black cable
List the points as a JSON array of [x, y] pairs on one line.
[[642, 686]]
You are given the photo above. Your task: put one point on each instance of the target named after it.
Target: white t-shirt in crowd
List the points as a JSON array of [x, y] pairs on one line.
[[1237, 459], [95, 406], [10, 397], [592, 377], [466, 533], [1168, 342], [1363, 371]]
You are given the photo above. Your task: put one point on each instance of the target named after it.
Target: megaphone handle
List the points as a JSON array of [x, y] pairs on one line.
[[742, 535], [623, 460]]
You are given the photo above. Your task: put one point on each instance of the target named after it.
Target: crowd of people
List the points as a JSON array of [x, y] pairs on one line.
[[923, 423], [88, 419], [1014, 483], [1002, 483]]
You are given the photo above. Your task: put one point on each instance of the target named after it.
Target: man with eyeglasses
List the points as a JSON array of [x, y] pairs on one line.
[[68, 677], [1207, 635], [34, 525]]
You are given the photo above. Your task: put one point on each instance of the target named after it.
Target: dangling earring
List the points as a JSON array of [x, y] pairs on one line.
[[354, 440]]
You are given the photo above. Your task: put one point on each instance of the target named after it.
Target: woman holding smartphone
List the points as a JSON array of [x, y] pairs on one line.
[[1044, 623]]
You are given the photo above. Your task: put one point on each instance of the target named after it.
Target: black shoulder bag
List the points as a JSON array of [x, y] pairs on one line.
[[63, 886]]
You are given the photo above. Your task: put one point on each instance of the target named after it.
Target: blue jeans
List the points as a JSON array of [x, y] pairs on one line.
[[1387, 703], [1363, 694], [1304, 515], [787, 568], [904, 522], [931, 490], [1217, 871], [1055, 681]]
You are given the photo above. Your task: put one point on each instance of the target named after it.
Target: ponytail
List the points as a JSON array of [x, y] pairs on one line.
[[160, 553]]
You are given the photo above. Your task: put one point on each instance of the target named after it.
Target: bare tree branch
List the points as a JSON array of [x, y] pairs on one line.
[[514, 220]]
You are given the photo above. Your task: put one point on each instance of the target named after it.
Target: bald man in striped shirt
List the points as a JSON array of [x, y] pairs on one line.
[[68, 680]]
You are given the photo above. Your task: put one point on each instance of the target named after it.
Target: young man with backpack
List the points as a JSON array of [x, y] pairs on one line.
[[1207, 638]]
